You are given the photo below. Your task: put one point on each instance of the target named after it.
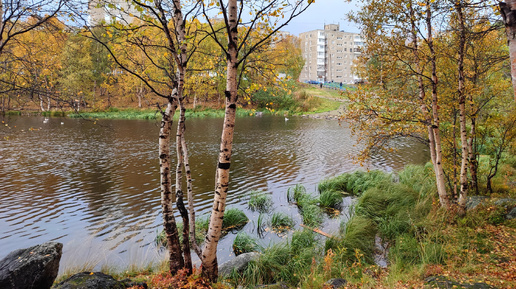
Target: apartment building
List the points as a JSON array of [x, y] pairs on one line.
[[329, 54], [105, 10]]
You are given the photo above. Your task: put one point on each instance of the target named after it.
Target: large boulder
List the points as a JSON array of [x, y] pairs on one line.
[[35, 267], [238, 263], [96, 280]]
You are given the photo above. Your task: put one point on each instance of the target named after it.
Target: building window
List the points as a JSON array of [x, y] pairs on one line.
[[345, 49], [338, 63], [339, 38]]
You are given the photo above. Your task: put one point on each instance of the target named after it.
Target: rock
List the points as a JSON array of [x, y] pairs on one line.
[[96, 280], [505, 202], [335, 283], [512, 214], [34, 267], [445, 283], [473, 201], [273, 286], [239, 263]]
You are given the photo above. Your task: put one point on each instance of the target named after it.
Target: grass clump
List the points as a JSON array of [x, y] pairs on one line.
[[307, 204], [330, 200], [244, 243], [354, 183], [312, 215], [281, 222], [260, 202], [234, 219]]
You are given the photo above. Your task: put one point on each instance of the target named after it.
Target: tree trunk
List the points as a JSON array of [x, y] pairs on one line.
[[179, 188], [508, 11], [41, 102], [438, 165], [175, 255], [210, 266], [472, 155], [462, 112]]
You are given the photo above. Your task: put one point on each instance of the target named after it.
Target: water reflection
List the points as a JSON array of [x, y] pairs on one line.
[[95, 187]]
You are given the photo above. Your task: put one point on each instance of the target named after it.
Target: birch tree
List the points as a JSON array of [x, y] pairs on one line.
[[431, 78], [158, 31], [508, 11], [270, 16]]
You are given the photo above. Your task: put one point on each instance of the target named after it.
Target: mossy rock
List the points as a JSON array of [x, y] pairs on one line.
[[95, 280], [445, 283]]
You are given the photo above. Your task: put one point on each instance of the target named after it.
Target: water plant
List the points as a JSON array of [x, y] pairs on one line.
[[330, 200], [281, 222], [260, 201], [354, 183], [244, 243], [234, 218], [294, 193], [260, 225], [312, 215]]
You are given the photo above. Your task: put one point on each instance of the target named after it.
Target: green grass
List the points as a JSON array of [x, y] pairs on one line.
[[260, 201], [281, 222], [312, 215], [330, 200], [12, 112], [244, 243], [143, 114], [234, 219], [354, 183], [294, 193]]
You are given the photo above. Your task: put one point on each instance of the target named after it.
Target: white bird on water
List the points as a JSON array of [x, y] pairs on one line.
[[286, 119], [62, 122], [45, 120]]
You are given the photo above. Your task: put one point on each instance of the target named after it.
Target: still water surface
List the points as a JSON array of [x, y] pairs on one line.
[[95, 186]]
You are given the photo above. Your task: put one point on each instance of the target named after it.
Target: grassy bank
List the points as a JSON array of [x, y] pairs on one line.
[[401, 213], [394, 215]]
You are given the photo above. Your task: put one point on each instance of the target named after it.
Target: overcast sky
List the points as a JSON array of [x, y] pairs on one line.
[[324, 12]]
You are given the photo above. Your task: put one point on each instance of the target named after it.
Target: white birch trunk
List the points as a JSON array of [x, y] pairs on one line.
[[209, 254], [508, 11]]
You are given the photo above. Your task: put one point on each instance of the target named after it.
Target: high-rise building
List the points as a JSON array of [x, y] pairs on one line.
[[105, 10], [329, 54]]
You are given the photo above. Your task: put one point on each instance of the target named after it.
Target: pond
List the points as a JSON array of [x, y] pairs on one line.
[[94, 186]]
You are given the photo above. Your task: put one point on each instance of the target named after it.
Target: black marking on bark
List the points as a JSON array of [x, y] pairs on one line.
[[162, 156], [232, 106], [224, 166], [227, 93], [162, 137]]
